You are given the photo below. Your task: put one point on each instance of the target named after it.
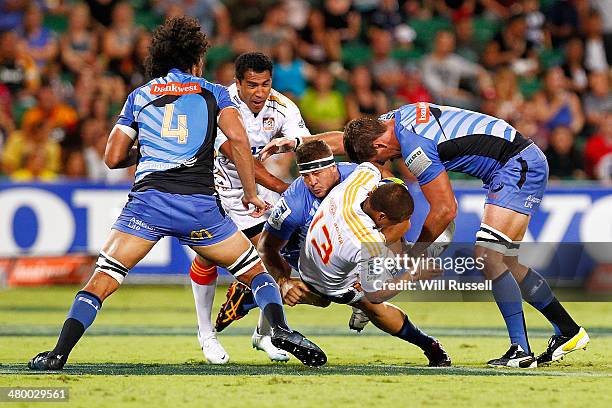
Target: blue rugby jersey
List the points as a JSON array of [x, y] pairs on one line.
[[175, 120], [293, 213], [434, 138]]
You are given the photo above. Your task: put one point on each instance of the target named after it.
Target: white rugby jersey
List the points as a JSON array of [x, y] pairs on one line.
[[279, 117], [340, 234]]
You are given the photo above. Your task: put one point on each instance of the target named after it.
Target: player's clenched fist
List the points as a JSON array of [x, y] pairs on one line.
[[294, 291]]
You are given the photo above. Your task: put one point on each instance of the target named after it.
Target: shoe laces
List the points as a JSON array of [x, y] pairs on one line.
[[553, 339], [511, 351], [211, 343]]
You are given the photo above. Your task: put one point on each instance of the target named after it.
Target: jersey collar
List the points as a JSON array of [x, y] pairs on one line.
[[177, 71]]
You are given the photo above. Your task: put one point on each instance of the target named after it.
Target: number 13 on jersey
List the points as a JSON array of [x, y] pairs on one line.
[[181, 131]]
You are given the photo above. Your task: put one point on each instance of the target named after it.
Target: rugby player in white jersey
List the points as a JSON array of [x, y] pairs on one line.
[[355, 224], [266, 114]]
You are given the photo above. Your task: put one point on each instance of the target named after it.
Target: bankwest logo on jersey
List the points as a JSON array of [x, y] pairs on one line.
[[422, 115], [176, 88]]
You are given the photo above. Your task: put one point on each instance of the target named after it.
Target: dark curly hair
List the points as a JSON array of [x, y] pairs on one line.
[[252, 61], [178, 43]]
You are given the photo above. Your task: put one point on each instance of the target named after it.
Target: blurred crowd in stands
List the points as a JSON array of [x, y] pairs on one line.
[[66, 68]]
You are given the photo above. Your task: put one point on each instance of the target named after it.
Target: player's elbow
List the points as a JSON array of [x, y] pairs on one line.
[[264, 248], [112, 159], [446, 211]]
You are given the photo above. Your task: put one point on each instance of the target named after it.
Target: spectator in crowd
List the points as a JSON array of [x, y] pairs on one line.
[[387, 71], [604, 7], [563, 21], [120, 38], [556, 105], [33, 142], [444, 71], [511, 46], [11, 14], [241, 43], [247, 13], [17, 68], [322, 107], [598, 151], [527, 123], [273, 30], [224, 73], [61, 117], [387, 15], [535, 20], [364, 99], [342, 24], [74, 165], [134, 69], [508, 100], [573, 67], [42, 43], [34, 168], [290, 72], [79, 44], [312, 45], [102, 10], [564, 160], [501, 9], [598, 101], [94, 133], [212, 15], [596, 58], [412, 89], [467, 46]]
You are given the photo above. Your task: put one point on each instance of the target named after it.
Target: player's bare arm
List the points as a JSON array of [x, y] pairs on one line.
[[442, 210], [230, 123], [293, 291], [262, 176], [120, 150], [269, 248], [289, 144]]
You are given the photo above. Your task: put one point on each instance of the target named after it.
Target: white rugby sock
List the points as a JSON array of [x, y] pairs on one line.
[[204, 295]]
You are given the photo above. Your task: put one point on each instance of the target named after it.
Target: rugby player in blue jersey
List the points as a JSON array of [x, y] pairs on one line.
[[432, 140], [173, 119]]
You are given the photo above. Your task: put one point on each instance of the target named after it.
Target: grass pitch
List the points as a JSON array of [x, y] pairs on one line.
[[142, 350]]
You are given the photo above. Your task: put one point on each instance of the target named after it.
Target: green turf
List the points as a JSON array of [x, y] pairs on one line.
[[142, 350]]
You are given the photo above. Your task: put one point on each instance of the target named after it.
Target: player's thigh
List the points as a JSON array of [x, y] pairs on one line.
[[226, 252], [127, 248], [235, 253], [120, 253], [511, 223], [515, 193]]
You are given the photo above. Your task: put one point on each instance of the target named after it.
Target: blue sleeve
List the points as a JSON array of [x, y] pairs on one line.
[[420, 155], [285, 217], [222, 96], [126, 117]]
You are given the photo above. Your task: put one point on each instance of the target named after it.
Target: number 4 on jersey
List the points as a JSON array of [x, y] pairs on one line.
[[180, 132]]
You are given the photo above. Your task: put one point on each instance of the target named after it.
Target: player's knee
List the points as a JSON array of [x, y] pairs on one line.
[[493, 242], [111, 267], [493, 248], [247, 266], [512, 262], [201, 272]]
